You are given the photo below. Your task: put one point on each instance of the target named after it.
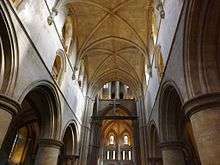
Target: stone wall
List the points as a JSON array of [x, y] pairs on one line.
[[37, 46], [174, 71]]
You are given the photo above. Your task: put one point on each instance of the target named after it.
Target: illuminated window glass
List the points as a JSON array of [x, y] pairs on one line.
[[112, 140], [56, 67], [105, 86], [108, 155], [113, 155], [129, 155], [123, 155], [126, 140]]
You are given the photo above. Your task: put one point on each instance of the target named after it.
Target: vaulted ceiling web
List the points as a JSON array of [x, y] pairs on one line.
[[112, 39]]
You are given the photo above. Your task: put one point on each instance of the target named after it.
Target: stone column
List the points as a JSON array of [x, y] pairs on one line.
[[85, 133], [8, 108], [204, 114], [117, 89], [109, 90], [172, 153], [142, 131], [94, 145], [48, 152], [118, 152], [125, 91]]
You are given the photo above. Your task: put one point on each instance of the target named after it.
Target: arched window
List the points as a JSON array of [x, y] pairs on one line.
[[69, 147], [126, 140], [113, 155], [106, 86], [129, 155], [154, 26], [159, 63], [58, 66], [67, 34], [123, 155], [111, 140], [81, 76], [108, 155]]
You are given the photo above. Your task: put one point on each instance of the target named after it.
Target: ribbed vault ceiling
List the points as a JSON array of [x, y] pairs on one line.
[[112, 39]]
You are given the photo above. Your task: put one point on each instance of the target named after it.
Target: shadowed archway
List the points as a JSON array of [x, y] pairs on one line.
[[202, 47], [155, 154], [39, 118], [68, 154], [175, 129]]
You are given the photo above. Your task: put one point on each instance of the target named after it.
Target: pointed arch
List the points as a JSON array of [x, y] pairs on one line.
[[202, 47], [173, 125], [155, 153], [46, 92]]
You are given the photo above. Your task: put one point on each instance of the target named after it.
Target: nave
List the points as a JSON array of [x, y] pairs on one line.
[[109, 82]]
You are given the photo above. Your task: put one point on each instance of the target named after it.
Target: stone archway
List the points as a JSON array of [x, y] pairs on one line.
[[202, 47], [177, 144], [34, 130], [44, 96], [8, 52], [155, 155], [202, 74], [69, 154]]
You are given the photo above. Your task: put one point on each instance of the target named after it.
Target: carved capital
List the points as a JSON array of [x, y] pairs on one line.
[[9, 105], [201, 103], [50, 143]]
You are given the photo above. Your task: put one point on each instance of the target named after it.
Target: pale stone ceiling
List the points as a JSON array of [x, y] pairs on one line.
[[112, 38]]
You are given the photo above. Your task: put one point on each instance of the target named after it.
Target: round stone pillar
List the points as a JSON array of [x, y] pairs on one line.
[[172, 153], [204, 114], [48, 152]]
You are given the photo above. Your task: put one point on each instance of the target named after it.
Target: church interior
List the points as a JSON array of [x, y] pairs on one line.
[[109, 82]]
